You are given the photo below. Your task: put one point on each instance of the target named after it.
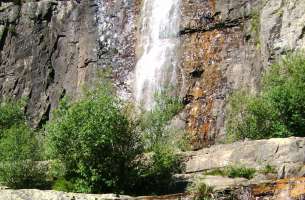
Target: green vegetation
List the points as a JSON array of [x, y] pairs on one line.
[[200, 191], [103, 149], [243, 172], [10, 114], [153, 124], [255, 26], [93, 140], [92, 145], [252, 117], [278, 110], [233, 172], [269, 169], [19, 151], [62, 184]]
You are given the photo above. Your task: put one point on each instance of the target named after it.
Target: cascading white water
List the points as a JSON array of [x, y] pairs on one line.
[[157, 65]]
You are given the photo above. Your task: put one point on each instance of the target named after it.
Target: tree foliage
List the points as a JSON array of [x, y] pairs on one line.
[[94, 141], [19, 149], [278, 110]]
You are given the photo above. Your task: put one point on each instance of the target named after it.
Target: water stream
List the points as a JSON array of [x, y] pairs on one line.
[[157, 45]]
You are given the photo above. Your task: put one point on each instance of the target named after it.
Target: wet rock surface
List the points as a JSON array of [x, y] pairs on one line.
[[227, 45], [117, 29]]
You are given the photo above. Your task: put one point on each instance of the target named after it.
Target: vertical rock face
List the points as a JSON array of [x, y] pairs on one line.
[[117, 28], [47, 50], [227, 45]]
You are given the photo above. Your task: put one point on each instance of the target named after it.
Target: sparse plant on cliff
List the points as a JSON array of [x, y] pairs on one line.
[[255, 26], [240, 171], [154, 124], [278, 110], [269, 169]]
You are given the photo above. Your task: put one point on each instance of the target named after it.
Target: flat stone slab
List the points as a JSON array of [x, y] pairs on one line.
[[54, 195], [33, 194], [287, 155]]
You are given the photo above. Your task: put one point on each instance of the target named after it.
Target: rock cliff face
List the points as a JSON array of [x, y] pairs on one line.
[[50, 48], [227, 45], [47, 49]]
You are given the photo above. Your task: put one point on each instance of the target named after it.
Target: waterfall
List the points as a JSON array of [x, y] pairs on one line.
[[158, 42]]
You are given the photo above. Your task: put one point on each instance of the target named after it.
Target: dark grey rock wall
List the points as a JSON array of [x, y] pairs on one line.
[[47, 49]]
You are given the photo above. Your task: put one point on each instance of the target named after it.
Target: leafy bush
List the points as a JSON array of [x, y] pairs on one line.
[[11, 113], [284, 88], [278, 110], [63, 185], [105, 148], [155, 174], [253, 117], [19, 151], [93, 140]]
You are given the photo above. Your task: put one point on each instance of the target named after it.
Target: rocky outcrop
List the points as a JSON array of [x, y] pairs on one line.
[[227, 45], [48, 49], [242, 189], [286, 155], [284, 181]]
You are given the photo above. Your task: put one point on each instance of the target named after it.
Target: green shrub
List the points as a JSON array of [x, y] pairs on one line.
[[93, 140], [154, 174], [19, 150], [278, 110], [200, 191], [63, 185], [233, 172], [11, 113], [284, 88], [243, 172], [99, 143], [253, 118]]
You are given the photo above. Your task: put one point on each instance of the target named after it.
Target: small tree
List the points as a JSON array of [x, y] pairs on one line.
[[92, 138], [284, 88], [253, 118]]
